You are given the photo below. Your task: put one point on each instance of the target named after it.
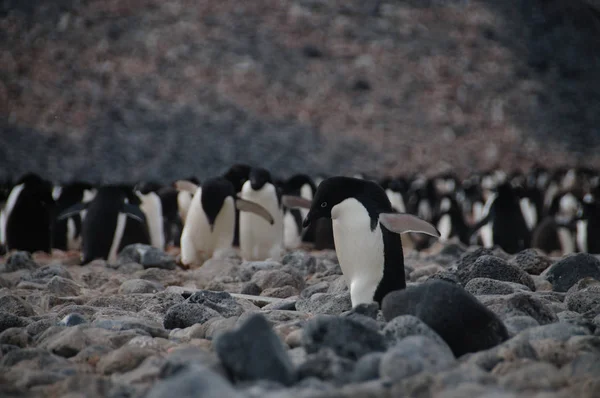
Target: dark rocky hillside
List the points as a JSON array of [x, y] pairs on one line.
[[128, 89]]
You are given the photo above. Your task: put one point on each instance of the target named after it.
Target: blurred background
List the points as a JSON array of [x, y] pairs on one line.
[[114, 90]]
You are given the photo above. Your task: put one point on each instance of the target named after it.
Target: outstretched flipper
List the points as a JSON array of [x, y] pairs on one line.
[[72, 211], [251, 207], [133, 212], [401, 223], [295, 202]]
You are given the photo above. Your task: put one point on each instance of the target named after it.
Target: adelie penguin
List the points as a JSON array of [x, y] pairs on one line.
[[303, 186], [29, 214], [259, 239], [237, 174], [366, 232], [210, 224], [67, 232], [151, 205], [113, 220]]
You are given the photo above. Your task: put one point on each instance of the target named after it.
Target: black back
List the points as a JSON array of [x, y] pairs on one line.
[[29, 224], [259, 177], [372, 196], [170, 210], [510, 231], [591, 213], [237, 174], [214, 192]]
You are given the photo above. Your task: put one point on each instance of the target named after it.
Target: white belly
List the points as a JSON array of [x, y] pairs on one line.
[[2, 226], [566, 240], [359, 250], [152, 208], [184, 199], [260, 240], [198, 241], [291, 237], [582, 236], [445, 227], [119, 230], [73, 242]]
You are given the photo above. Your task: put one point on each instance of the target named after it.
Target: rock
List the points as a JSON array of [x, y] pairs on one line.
[[122, 323], [214, 327], [147, 373], [367, 367], [38, 378], [277, 278], [20, 260], [445, 276], [425, 271], [140, 286], [568, 271], [15, 305], [494, 268], [63, 287], [534, 377], [294, 338], [248, 268], [47, 272], [556, 331], [320, 287], [303, 262], [575, 318], [326, 365], [189, 381], [531, 261], [338, 285], [346, 337], [325, 303], [185, 355], [480, 286], [70, 341], [520, 304], [584, 366], [413, 355], [15, 336], [449, 310], [251, 288], [122, 360], [35, 328], [200, 307], [288, 304], [254, 352], [280, 292], [148, 256], [516, 324], [408, 325], [584, 300], [11, 321], [72, 320], [222, 302], [367, 314]]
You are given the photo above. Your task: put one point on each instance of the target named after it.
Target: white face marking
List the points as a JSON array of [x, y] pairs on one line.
[[260, 240], [396, 200], [89, 195], [2, 226], [477, 211], [114, 247], [360, 251], [582, 239], [445, 227], [550, 194], [152, 208]]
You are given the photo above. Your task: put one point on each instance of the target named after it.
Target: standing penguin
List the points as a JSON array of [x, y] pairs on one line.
[[5, 188], [104, 229], [210, 225], [450, 220], [152, 207], [303, 186], [259, 239], [503, 221], [237, 174], [29, 215], [67, 232], [366, 231], [184, 199]]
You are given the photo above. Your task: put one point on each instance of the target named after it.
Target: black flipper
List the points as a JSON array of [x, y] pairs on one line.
[[72, 211], [134, 212]]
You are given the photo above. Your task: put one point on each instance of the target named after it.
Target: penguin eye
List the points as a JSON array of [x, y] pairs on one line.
[[324, 204]]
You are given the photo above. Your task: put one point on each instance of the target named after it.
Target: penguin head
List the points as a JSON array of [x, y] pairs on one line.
[[335, 190], [259, 177], [214, 192], [238, 174]]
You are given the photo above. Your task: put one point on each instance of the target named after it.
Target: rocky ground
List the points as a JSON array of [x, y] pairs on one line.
[[144, 327]]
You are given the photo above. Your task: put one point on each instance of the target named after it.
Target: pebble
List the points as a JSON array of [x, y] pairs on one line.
[[19, 260], [148, 256], [520, 304], [496, 268], [140, 286], [531, 261], [568, 271], [189, 381], [325, 303]]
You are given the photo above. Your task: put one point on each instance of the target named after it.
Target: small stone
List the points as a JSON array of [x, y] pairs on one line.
[[132, 286], [320, 287], [367, 367], [47, 272], [480, 286], [346, 337], [495, 268], [325, 303], [148, 256], [584, 366], [413, 355], [534, 377], [277, 278], [303, 262], [568, 271], [251, 289], [15, 305], [72, 320], [294, 338], [280, 292], [11, 321], [20, 260], [63, 287], [520, 304], [254, 352], [584, 300], [517, 324], [326, 365], [35, 328], [189, 381], [531, 261], [122, 360], [557, 331], [123, 323], [448, 310], [408, 325], [222, 302], [15, 336], [200, 307]]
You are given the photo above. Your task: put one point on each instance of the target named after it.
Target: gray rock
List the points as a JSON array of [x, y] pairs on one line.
[[288, 304], [413, 355], [531, 261], [37, 327], [556, 331], [122, 323], [247, 269], [63, 287], [303, 262], [568, 271], [183, 356], [325, 303], [479, 286], [493, 267], [450, 311], [122, 360], [408, 325], [47, 272], [70, 341], [338, 285], [72, 320], [425, 271], [320, 287], [346, 337], [148, 256], [520, 304], [254, 352], [200, 307], [277, 278], [575, 318], [280, 292], [15, 305], [367, 314], [38, 378], [140, 286], [469, 257], [189, 381], [37, 358], [584, 366], [251, 289], [326, 365], [367, 367], [20, 260], [446, 276], [15, 336], [516, 324], [584, 300], [222, 302], [11, 321], [534, 377]]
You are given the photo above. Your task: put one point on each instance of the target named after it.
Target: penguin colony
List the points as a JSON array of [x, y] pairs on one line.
[[553, 210]]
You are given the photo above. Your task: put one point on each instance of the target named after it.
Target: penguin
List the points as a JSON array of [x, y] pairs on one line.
[[450, 220], [184, 199], [259, 239], [396, 190], [210, 226], [303, 186], [237, 174], [5, 188], [503, 221], [151, 205], [172, 223], [588, 225], [556, 231], [367, 234], [67, 232], [105, 226], [29, 215]]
